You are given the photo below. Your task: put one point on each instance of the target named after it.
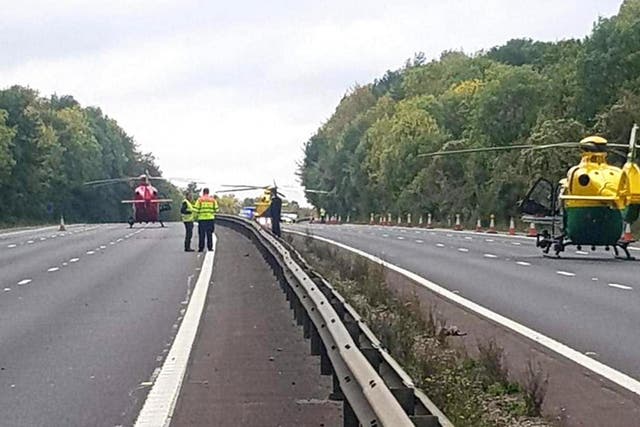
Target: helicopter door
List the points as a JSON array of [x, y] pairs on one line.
[[539, 201]]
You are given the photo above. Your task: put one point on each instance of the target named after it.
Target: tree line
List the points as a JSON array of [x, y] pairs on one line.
[[50, 146], [367, 154]]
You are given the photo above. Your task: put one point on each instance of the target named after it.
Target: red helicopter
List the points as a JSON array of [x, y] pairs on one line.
[[146, 206]]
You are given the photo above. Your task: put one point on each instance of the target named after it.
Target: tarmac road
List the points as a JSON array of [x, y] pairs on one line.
[[588, 301], [86, 317]]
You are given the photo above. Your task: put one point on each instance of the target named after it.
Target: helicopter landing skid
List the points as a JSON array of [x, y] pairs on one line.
[[559, 244], [624, 247]]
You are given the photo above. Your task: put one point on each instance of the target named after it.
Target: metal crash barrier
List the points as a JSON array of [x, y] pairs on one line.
[[374, 389]]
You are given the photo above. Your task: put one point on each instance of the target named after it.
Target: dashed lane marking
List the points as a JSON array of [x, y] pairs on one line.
[[623, 287], [489, 240], [74, 260], [599, 368], [90, 252], [24, 282], [6, 289], [52, 269], [565, 273], [29, 242], [440, 245], [490, 256], [523, 263], [419, 241], [400, 238], [13, 245], [468, 238], [582, 252], [463, 249], [516, 243]]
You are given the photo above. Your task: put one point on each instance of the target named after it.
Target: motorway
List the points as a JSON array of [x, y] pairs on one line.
[[587, 301], [86, 317]]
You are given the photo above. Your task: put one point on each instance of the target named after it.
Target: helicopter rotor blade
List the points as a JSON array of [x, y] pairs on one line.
[[316, 191], [503, 148], [110, 181]]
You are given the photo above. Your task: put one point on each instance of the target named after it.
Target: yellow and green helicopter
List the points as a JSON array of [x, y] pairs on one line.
[[587, 208]]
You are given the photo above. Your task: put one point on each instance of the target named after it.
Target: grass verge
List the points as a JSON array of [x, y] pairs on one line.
[[474, 392]]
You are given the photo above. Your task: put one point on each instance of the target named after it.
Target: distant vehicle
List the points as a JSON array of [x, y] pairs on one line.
[[145, 206], [289, 218]]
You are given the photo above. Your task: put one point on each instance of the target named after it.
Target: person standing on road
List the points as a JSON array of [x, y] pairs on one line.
[[205, 209], [187, 212]]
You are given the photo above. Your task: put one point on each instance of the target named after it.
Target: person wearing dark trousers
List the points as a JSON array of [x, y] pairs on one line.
[[187, 214], [275, 212], [205, 210]]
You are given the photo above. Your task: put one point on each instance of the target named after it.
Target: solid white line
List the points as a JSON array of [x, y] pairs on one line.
[[625, 287], [599, 368], [161, 400], [565, 273], [29, 230], [24, 282]]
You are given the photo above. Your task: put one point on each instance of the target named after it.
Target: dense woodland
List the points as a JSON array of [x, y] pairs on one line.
[[367, 153], [50, 146]]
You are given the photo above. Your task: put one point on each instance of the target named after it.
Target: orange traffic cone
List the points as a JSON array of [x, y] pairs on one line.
[[62, 227], [458, 226], [371, 219], [479, 226], [532, 230], [492, 225], [429, 224], [512, 227], [420, 221], [627, 236]]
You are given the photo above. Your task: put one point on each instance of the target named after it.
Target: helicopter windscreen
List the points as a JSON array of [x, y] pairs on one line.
[[539, 199]]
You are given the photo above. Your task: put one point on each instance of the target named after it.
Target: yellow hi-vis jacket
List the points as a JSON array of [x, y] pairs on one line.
[[205, 208], [187, 211]]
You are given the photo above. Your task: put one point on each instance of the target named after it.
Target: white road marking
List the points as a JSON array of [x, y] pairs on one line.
[[489, 240], [7, 289], [463, 249], [595, 279], [29, 242], [74, 260], [90, 252], [112, 243], [13, 245], [582, 252], [565, 273], [119, 240], [516, 243], [523, 263], [419, 241], [599, 368], [624, 287], [52, 269], [161, 400], [490, 256], [43, 238], [440, 245], [102, 246], [24, 282], [468, 238], [385, 235], [400, 238], [64, 264]]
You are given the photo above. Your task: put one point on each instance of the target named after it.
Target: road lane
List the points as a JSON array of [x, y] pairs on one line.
[[567, 299], [79, 343]]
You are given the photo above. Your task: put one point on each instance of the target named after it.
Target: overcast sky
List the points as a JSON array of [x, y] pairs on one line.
[[228, 92]]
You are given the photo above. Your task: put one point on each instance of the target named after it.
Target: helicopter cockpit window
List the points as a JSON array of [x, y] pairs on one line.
[[539, 200]]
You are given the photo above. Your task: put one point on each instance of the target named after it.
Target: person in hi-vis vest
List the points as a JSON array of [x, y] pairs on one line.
[[205, 210], [187, 213]]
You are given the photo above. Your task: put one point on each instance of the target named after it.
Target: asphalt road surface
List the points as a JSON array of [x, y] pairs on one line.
[[86, 317], [588, 301]]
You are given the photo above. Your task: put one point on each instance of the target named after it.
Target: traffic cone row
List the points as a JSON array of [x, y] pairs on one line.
[[62, 226], [492, 225], [458, 226], [532, 230], [479, 226], [512, 227]]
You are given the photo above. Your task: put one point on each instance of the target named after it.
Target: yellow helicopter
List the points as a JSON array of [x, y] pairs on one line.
[[587, 208]]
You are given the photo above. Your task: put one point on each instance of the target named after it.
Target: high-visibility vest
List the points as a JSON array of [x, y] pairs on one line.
[[206, 208], [189, 216]]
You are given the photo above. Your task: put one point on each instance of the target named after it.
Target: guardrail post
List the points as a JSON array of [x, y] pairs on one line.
[[315, 341], [406, 398], [349, 418], [306, 325], [325, 362]]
